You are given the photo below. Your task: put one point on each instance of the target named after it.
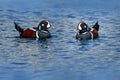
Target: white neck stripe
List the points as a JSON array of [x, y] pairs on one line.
[[37, 36], [91, 35]]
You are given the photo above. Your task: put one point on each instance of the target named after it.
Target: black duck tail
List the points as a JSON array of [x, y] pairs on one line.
[[96, 26], [18, 28]]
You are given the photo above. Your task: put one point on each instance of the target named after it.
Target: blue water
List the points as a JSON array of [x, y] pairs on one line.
[[62, 56]]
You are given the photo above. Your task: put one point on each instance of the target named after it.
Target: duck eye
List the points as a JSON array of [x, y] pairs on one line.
[[85, 26], [42, 24]]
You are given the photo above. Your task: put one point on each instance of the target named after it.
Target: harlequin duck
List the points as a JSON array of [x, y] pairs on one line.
[[84, 32], [40, 32]]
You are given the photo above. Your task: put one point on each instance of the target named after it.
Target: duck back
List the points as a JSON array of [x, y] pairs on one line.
[[28, 33]]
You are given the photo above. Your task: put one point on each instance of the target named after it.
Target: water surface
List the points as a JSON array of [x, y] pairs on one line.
[[62, 56]]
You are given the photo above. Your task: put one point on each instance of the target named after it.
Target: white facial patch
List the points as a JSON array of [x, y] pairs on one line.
[[79, 27], [48, 25]]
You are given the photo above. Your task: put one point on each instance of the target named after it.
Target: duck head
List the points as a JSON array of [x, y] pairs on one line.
[[44, 25], [83, 27]]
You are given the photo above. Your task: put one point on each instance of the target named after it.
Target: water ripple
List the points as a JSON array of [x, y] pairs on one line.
[[61, 54]]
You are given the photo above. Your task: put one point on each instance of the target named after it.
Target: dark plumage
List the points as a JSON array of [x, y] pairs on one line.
[[84, 32], [36, 32]]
